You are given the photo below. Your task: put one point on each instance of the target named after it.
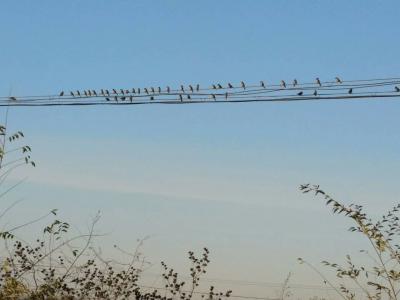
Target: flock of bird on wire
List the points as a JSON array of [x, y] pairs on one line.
[[285, 91]]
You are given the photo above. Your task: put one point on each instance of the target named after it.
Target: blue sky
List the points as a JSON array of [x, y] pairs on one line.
[[228, 172]]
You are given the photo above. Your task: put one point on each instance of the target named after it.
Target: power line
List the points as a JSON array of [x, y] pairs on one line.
[[285, 92]]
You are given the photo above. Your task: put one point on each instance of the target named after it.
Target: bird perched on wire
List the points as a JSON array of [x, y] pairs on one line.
[[214, 87], [191, 88], [61, 94], [122, 91], [219, 86], [127, 91], [230, 86], [168, 89], [180, 97], [152, 90], [131, 98], [262, 84], [138, 90], [146, 91], [116, 98], [283, 84], [294, 82], [94, 93], [78, 93], [102, 92], [243, 85], [123, 98], [182, 89], [108, 92], [318, 81], [188, 96], [197, 87], [108, 99], [12, 98], [338, 80], [226, 96], [213, 96], [397, 89], [133, 90], [151, 97], [72, 94], [89, 93], [315, 93], [115, 91], [300, 93], [350, 91], [159, 90]]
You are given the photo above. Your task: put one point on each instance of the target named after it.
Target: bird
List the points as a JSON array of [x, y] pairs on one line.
[[152, 90], [116, 98], [315, 93], [115, 91], [89, 93], [108, 99], [12, 98], [62, 93], [131, 98], [133, 90], [123, 98], [300, 93], [219, 86], [86, 94], [230, 86], [190, 88], [108, 92], [159, 90], [182, 88], [180, 97], [213, 96], [338, 80], [188, 96], [294, 82], [350, 91], [243, 85], [318, 81], [78, 93], [397, 89], [262, 84], [151, 97], [122, 91], [72, 94], [226, 96], [197, 87], [146, 91], [168, 89], [138, 90], [283, 84], [102, 92], [214, 86]]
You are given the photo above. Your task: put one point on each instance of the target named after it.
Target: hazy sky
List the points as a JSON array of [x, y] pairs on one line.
[[222, 176]]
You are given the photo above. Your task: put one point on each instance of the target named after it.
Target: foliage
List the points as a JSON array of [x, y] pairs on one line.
[[381, 279], [60, 265]]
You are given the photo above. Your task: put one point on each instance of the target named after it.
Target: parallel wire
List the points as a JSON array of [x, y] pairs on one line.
[[344, 90]]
